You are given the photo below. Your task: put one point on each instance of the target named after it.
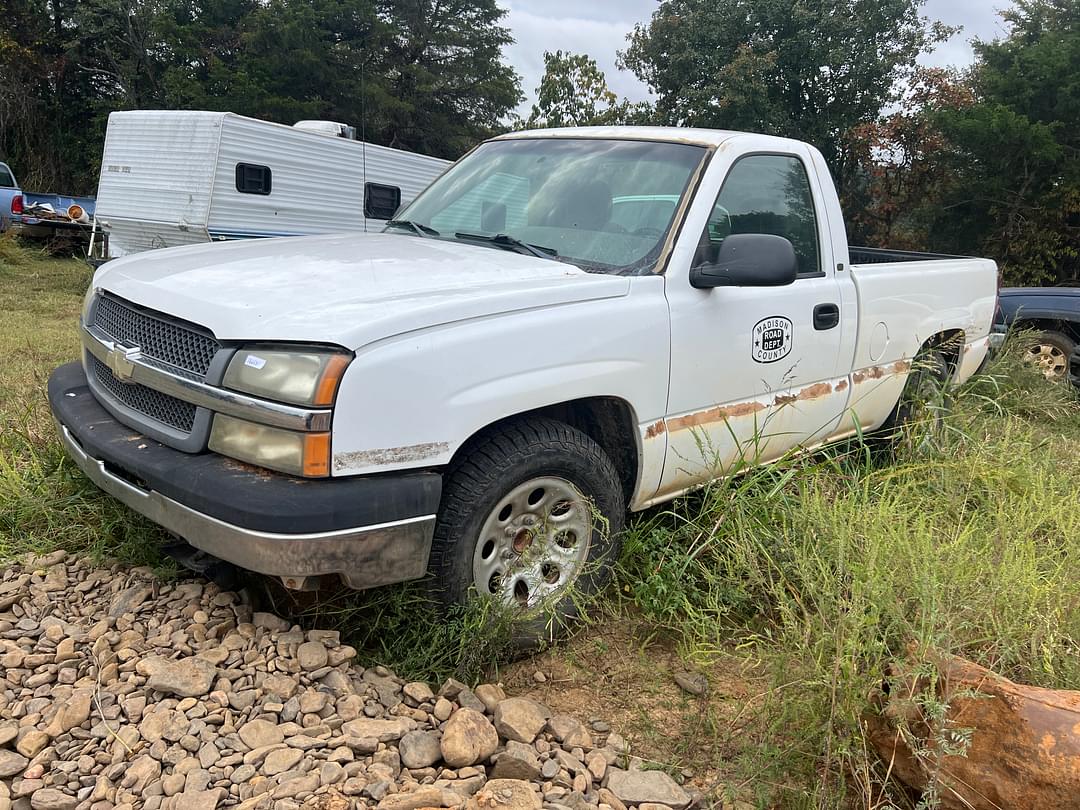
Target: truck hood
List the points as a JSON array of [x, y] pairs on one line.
[[348, 289]]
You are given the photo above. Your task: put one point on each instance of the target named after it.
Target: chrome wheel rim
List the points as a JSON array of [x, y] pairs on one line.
[[1049, 359], [534, 543]]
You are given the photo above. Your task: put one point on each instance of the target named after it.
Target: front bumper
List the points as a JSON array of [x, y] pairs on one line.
[[370, 530]]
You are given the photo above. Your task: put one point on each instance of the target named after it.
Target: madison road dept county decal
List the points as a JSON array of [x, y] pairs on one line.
[[772, 339]]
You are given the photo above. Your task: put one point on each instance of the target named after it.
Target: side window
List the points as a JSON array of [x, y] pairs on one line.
[[768, 194], [6, 180], [381, 202], [253, 179]]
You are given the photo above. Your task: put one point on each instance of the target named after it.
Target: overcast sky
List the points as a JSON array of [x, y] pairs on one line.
[[599, 28]]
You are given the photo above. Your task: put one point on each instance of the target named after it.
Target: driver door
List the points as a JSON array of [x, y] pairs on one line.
[[754, 370]]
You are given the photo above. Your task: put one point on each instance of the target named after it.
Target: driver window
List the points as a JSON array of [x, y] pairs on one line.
[[766, 194]]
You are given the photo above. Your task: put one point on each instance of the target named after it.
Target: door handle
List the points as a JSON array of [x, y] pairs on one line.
[[826, 316]]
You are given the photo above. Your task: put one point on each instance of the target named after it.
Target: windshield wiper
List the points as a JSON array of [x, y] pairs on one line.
[[504, 240], [421, 230]]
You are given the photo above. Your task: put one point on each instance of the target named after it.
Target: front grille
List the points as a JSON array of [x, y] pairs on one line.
[[181, 346], [165, 409]]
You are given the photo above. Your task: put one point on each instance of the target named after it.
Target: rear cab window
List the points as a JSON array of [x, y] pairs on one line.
[[7, 179]]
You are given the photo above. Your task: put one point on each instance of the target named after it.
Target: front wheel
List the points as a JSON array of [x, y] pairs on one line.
[[530, 517]]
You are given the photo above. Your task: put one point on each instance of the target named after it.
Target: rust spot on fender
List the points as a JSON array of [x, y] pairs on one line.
[[877, 372], [655, 429], [871, 373], [815, 391], [389, 455], [840, 386], [718, 414]]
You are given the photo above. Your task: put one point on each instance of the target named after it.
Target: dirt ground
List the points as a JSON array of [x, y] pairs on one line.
[[614, 672]]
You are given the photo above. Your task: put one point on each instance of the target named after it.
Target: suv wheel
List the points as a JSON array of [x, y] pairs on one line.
[[1049, 352]]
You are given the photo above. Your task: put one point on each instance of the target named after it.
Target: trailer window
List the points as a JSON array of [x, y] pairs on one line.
[[253, 179], [381, 202]]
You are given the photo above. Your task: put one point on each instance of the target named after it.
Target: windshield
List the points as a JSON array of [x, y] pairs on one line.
[[604, 205]]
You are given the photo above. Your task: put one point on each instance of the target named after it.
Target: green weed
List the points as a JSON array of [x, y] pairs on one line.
[[828, 567]]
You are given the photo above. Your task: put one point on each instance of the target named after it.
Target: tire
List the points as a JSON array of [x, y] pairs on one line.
[[925, 400], [513, 508], [1049, 351]]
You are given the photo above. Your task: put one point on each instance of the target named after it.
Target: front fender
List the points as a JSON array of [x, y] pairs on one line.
[[412, 401]]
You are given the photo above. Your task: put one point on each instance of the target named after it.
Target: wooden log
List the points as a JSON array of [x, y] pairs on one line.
[[1024, 749]]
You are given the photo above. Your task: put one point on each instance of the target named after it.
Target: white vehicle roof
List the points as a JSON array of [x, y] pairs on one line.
[[700, 137]]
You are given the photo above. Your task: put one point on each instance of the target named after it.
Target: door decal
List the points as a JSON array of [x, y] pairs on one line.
[[771, 339]]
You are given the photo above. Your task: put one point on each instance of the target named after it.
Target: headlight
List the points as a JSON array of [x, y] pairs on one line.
[[299, 377], [306, 454]]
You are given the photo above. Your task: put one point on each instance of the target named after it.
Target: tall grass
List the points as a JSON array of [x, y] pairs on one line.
[[818, 571], [826, 568]]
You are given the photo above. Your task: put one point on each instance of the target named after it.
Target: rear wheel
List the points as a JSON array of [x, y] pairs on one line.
[[530, 517], [919, 414], [1049, 352]]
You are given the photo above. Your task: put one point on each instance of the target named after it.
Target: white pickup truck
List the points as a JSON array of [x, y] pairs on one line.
[[565, 325]]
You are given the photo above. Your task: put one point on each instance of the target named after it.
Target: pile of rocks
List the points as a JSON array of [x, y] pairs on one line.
[[119, 691]]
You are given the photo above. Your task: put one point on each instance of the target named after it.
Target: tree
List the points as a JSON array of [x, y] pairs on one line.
[[425, 75], [574, 93], [447, 85], [1015, 194], [900, 163], [810, 69]]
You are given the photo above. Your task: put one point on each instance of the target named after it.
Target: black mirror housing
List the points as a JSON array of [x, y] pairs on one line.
[[748, 260]]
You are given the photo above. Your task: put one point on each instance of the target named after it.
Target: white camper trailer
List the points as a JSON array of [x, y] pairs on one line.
[[171, 177]]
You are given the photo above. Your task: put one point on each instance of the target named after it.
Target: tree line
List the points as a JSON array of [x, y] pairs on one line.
[[979, 161]]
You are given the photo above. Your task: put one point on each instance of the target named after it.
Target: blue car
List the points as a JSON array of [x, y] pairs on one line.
[[9, 189], [1053, 315], [42, 216]]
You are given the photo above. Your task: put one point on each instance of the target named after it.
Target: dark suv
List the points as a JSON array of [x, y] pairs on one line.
[[1053, 313]]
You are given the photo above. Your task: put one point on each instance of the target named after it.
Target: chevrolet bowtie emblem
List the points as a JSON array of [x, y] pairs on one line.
[[120, 361]]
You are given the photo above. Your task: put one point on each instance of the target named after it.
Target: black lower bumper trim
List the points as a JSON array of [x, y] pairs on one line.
[[230, 491]]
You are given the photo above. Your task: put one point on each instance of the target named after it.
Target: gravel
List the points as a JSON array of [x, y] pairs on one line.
[[120, 692]]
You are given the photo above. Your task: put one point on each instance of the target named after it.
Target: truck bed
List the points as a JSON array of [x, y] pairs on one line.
[[871, 255]]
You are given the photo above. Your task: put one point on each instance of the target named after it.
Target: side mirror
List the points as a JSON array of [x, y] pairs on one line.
[[747, 260]]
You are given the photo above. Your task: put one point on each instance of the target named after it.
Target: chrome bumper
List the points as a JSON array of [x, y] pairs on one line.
[[364, 557]]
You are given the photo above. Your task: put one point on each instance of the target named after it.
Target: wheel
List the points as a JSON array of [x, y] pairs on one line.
[[1049, 352], [925, 399], [530, 516]]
